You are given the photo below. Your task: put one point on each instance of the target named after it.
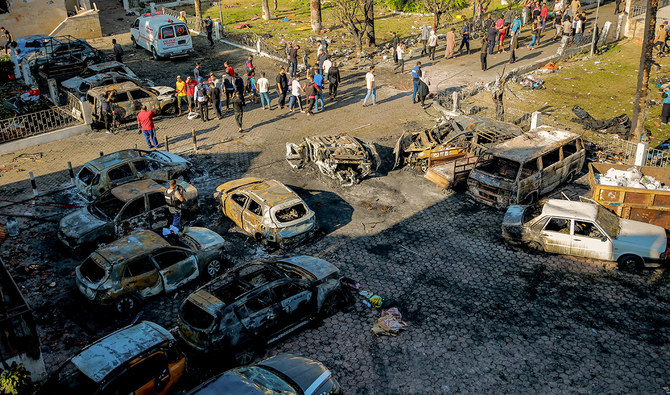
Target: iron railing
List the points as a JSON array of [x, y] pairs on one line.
[[39, 122]]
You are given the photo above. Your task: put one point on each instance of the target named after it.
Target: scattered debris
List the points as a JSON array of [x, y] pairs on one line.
[[389, 324], [620, 125]]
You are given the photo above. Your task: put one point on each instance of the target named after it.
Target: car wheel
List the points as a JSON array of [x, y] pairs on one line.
[[170, 109], [134, 42], [423, 165], [153, 53], [535, 246], [530, 199], [213, 268], [245, 355], [329, 306], [125, 305], [630, 263]]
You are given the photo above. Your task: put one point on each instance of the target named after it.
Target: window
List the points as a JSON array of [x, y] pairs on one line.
[[551, 158], [587, 229], [120, 173], [133, 209], [136, 24], [86, 176], [156, 200], [291, 213], [167, 32], [529, 168], [255, 208], [139, 94], [285, 291], [120, 97], [570, 148], [138, 267], [61, 50], [240, 199], [182, 30], [139, 375], [560, 225], [144, 166], [255, 304], [169, 258]]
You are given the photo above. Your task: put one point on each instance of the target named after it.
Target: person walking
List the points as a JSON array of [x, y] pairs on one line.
[[239, 87], [9, 40], [196, 72], [577, 25], [513, 45], [661, 35], [400, 54], [416, 74], [544, 14], [310, 92], [424, 89], [483, 54], [174, 197], [293, 60], [295, 94], [209, 25], [534, 31], [282, 87], [250, 64], [508, 17], [516, 25], [180, 87], [575, 5], [201, 98], [145, 121], [492, 38], [327, 64], [106, 110], [432, 45], [229, 69], [229, 89], [425, 34], [318, 82], [465, 38], [321, 59], [395, 41], [214, 94], [190, 93], [451, 44], [238, 109], [370, 84], [118, 51], [263, 85], [334, 81], [665, 112]]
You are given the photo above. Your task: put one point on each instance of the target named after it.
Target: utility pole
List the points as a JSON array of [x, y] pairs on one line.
[[642, 94], [595, 29]]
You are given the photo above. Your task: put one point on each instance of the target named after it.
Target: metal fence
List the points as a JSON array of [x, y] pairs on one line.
[[193, 23], [44, 121]]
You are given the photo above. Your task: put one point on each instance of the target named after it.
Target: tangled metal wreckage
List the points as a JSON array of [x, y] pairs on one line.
[[342, 157], [448, 152]]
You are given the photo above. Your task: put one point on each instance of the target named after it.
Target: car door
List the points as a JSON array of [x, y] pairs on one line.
[[552, 170], [140, 276], [294, 301], [590, 241], [135, 31], [556, 235], [144, 98], [132, 217], [258, 315], [234, 206], [252, 217], [143, 376], [176, 267], [159, 213], [120, 174]]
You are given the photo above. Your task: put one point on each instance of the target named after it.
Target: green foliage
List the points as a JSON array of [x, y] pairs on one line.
[[404, 5], [15, 380], [459, 4]]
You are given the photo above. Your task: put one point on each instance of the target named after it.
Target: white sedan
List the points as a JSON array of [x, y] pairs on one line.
[[585, 229]]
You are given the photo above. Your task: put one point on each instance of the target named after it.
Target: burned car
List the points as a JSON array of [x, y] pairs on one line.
[[585, 229], [61, 58], [258, 304], [127, 99], [123, 210], [138, 359], [285, 373], [101, 174], [79, 85], [447, 153], [342, 157], [145, 264], [267, 210]]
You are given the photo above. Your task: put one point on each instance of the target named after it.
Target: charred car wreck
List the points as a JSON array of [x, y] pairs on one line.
[[342, 157]]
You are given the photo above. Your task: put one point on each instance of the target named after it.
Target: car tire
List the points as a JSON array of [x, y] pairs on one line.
[[125, 305], [213, 268], [535, 246], [134, 42], [154, 53], [330, 306], [245, 356], [170, 109], [630, 263]]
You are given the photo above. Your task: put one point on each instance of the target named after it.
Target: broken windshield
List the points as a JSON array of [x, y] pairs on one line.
[[108, 206], [609, 222], [86, 176], [265, 380], [500, 167], [291, 213]]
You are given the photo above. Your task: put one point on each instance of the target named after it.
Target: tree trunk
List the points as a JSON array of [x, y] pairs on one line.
[[436, 20], [266, 10], [315, 7], [370, 22], [198, 11], [642, 94], [275, 5]]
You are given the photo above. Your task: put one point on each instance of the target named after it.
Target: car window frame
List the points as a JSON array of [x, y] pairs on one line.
[[118, 216]]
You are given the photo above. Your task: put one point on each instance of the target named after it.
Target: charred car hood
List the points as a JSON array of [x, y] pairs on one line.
[[170, 157], [310, 375], [646, 239], [204, 238], [317, 267], [80, 222]]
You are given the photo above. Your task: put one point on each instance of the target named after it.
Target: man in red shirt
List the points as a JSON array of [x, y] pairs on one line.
[[145, 121], [229, 69], [190, 92]]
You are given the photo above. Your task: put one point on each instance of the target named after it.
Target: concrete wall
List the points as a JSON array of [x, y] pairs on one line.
[[83, 25], [33, 16]]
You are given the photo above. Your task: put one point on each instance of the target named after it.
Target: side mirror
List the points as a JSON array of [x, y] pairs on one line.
[[604, 238]]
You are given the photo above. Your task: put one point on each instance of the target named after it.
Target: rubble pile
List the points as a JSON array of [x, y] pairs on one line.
[[631, 178]]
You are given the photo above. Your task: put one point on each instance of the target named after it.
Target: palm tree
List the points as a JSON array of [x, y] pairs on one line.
[[315, 6]]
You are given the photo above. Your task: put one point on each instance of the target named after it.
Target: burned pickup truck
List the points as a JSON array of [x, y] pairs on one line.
[[447, 154], [342, 157]]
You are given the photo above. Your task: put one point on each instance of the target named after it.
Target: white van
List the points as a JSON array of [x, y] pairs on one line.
[[163, 35]]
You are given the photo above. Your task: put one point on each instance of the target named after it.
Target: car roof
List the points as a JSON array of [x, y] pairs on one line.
[[135, 245], [113, 159], [532, 144], [121, 87], [162, 18], [101, 358], [570, 209], [271, 192], [32, 37], [105, 65], [133, 189]]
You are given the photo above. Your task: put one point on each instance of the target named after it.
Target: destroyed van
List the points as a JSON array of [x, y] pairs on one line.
[[520, 170], [162, 35]]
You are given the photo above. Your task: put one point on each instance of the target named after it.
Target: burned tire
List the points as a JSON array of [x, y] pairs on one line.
[[245, 355], [330, 305], [170, 109], [630, 263], [535, 246], [125, 305], [213, 268]]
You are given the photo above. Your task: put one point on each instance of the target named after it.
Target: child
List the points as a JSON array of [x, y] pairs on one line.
[[482, 53]]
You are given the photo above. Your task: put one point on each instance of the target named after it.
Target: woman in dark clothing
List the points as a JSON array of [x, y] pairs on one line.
[[423, 91], [482, 53], [665, 112]]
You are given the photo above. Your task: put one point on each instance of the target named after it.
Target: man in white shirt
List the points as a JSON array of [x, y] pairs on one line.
[[262, 85], [578, 30], [400, 52], [296, 88], [370, 84], [326, 66], [200, 98]]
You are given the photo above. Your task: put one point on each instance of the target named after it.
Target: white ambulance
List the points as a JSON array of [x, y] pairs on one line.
[[163, 35]]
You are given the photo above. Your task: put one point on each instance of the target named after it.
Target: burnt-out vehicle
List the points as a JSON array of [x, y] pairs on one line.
[[145, 264], [128, 208], [61, 58], [258, 304], [343, 157], [127, 99], [109, 171], [447, 153], [285, 373], [139, 359], [79, 85], [267, 210]]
